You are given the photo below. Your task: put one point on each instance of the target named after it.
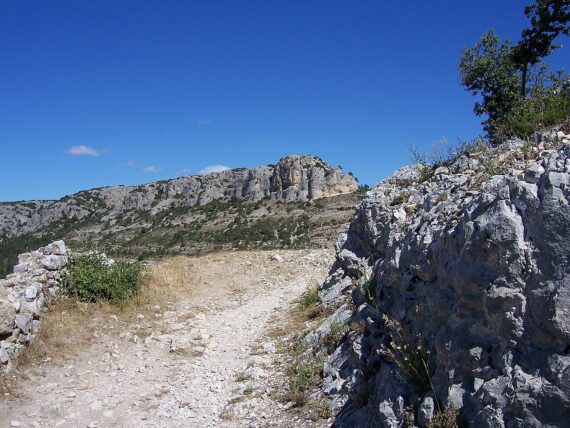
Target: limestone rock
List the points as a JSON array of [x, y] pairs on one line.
[[476, 266], [292, 179], [23, 322], [7, 315]]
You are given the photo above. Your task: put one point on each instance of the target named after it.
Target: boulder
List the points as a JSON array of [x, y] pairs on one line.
[[7, 315], [23, 322]]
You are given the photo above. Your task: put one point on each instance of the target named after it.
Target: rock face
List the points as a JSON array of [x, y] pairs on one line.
[[23, 294], [294, 178], [468, 273]]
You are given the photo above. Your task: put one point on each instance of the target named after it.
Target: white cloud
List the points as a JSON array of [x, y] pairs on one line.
[[184, 171], [130, 164], [203, 122], [151, 169], [212, 168], [82, 151]]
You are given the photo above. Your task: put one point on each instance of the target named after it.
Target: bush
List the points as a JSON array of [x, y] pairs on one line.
[[545, 108], [309, 298], [91, 277]]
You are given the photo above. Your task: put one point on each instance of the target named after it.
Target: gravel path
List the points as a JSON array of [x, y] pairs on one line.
[[202, 360]]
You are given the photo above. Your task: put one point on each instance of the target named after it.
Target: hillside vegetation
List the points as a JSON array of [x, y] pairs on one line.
[[300, 202]]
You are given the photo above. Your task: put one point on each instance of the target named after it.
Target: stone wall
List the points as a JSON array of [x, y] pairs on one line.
[[24, 294]]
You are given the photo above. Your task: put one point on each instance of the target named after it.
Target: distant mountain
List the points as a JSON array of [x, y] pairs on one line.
[[299, 201]]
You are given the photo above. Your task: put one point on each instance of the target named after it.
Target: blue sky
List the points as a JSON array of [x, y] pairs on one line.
[[102, 93]]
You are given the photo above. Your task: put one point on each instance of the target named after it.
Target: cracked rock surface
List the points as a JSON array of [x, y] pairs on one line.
[[475, 270]]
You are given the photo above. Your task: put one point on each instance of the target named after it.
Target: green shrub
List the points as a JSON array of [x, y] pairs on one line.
[[303, 375], [309, 298], [91, 277], [545, 108]]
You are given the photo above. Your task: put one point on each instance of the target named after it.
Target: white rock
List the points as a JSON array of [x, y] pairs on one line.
[[277, 258], [23, 322]]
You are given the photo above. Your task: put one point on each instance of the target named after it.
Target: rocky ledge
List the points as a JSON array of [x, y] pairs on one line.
[[454, 292]]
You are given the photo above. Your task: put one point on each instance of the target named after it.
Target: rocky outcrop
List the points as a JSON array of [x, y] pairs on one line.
[[459, 289], [23, 295], [293, 179]]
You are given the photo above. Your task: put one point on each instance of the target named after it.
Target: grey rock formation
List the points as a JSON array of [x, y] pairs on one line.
[[473, 270], [23, 296], [294, 178]]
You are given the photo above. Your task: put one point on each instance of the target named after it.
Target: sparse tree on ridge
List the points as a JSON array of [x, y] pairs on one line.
[[549, 19], [488, 70], [500, 72]]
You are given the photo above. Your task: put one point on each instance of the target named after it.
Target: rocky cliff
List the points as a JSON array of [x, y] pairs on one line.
[[293, 179], [453, 288], [300, 201]]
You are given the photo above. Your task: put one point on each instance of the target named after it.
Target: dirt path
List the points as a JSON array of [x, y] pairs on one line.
[[201, 360]]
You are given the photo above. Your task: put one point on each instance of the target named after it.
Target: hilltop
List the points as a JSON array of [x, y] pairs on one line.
[[299, 201]]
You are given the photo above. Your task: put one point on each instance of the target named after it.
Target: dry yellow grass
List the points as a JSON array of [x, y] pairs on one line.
[[62, 330], [69, 324]]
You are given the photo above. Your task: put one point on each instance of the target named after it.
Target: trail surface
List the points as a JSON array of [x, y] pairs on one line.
[[201, 360]]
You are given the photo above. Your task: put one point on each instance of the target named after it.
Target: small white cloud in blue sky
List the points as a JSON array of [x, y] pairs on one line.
[[185, 171], [130, 164], [82, 151], [150, 169], [203, 122], [212, 168]]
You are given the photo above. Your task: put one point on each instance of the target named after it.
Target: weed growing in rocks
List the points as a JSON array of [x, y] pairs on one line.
[[302, 375], [336, 333], [409, 357], [309, 298], [367, 287]]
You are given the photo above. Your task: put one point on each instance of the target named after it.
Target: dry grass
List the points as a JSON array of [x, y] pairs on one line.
[[302, 374], [69, 324], [63, 329], [448, 418]]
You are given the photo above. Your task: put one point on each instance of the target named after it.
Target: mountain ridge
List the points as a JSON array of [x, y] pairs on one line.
[[264, 206]]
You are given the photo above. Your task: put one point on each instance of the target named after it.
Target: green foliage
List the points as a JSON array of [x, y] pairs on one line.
[[515, 97], [90, 277], [309, 298], [11, 247], [548, 19], [547, 105], [487, 70], [303, 374]]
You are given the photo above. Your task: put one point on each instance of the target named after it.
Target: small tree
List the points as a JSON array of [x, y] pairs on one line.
[[500, 73], [549, 19], [487, 69]]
